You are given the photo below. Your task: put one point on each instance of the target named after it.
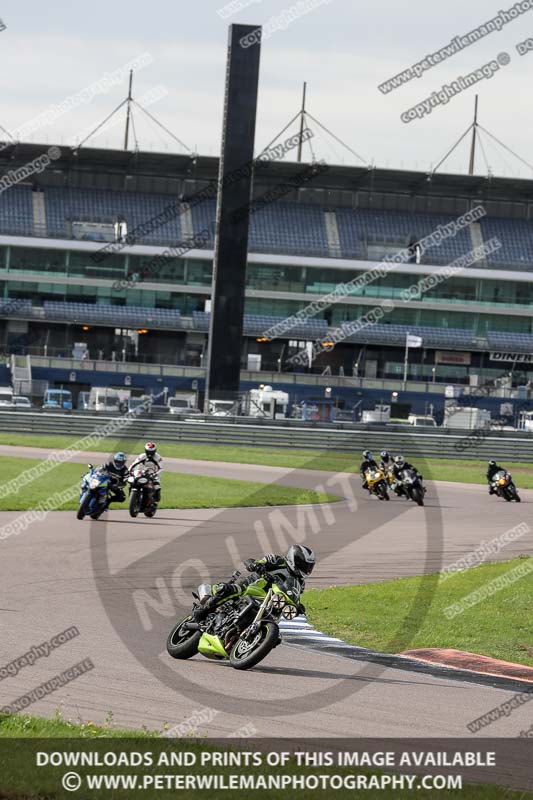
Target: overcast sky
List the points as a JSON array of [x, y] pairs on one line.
[[342, 48]]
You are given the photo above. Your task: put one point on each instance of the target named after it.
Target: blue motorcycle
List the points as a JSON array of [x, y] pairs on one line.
[[94, 491]]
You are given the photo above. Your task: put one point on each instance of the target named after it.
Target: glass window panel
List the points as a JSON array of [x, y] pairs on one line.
[[32, 259]]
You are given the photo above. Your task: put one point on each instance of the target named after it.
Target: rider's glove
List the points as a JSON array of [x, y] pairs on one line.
[[254, 566]]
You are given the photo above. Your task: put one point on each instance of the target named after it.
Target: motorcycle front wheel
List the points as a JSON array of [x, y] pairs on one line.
[[418, 495], [246, 654], [134, 503], [382, 492], [181, 642], [514, 493], [84, 503]]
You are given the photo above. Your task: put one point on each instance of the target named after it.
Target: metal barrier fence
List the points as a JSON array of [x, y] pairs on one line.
[[440, 443]]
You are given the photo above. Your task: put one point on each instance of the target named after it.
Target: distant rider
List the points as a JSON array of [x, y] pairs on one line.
[[367, 463], [118, 472], [386, 461], [151, 457], [299, 561], [492, 469]]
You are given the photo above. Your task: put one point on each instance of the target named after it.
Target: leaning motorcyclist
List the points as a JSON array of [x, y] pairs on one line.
[[151, 457], [118, 472], [367, 463], [397, 468], [492, 469], [299, 561]]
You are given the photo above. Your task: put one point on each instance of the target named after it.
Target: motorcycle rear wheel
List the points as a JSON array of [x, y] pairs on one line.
[[243, 658], [181, 642]]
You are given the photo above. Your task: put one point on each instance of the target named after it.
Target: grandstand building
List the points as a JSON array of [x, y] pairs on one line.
[[78, 264]]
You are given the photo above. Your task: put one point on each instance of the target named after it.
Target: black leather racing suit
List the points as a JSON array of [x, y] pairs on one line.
[[118, 478], [258, 568], [397, 471], [385, 465], [397, 475], [491, 472]]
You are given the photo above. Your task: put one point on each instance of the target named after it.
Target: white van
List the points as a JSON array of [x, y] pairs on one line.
[[6, 397], [222, 408], [422, 421], [182, 404], [466, 417], [19, 401], [102, 398], [265, 402]]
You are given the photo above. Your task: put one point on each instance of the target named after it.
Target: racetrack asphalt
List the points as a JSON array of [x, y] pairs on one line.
[[120, 582]]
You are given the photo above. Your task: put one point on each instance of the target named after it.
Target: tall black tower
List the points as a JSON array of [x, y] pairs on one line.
[[232, 218]]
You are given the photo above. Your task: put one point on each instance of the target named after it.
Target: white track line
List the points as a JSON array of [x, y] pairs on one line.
[[300, 632]]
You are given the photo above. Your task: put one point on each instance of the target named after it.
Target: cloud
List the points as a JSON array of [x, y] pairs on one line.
[[343, 52]]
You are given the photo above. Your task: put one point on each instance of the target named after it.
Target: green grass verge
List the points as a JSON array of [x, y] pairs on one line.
[[371, 615], [178, 490], [25, 726], [457, 470]]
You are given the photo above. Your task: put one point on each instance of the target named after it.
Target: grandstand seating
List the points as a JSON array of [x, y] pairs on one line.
[[431, 337], [286, 228], [277, 228], [97, 205], [379, 333], [352, 245], [113, 315], [203, 218], [16, 211], [289, 228], [399, 227], [14, 307], [257, 324], [511, 342], [516, 237]]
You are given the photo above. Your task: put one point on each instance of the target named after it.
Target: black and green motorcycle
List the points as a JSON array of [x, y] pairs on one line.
[[243, 629]]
